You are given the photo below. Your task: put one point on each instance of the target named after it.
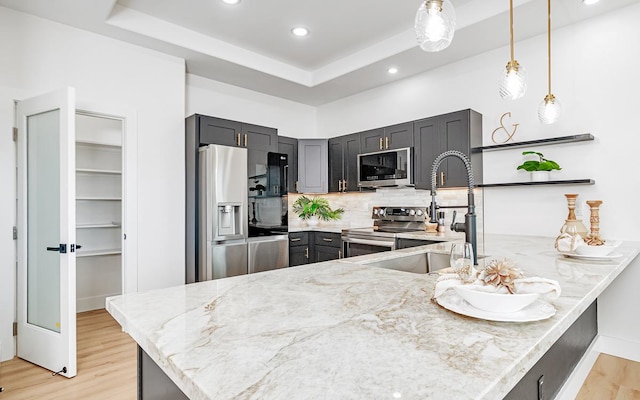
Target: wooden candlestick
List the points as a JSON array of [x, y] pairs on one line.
[[594, 206]]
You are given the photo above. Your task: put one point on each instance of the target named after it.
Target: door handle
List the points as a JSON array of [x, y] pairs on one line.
[[62, 248]]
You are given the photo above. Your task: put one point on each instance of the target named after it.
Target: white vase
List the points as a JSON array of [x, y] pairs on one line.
[[313, 220], [539, 176]]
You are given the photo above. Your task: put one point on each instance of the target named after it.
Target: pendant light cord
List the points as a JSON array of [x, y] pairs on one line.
[[549, 43], [511, 26]]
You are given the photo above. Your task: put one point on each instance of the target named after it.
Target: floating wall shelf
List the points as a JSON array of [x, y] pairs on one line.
[[540, 142], [562, 182]]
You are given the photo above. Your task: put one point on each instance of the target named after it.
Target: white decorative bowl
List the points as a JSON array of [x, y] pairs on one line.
[[586, 250], [495, 302]]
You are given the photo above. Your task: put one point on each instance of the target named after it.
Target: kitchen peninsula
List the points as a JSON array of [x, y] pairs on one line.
[[342, 329]]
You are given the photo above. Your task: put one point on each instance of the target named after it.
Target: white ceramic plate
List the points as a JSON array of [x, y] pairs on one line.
[[536, 311], [611, 256]]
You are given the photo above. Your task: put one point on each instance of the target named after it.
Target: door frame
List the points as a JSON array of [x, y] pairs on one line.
[[129, 271]]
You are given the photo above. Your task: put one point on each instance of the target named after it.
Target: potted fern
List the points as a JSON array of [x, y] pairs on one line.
[[311, 210], [539, 168]]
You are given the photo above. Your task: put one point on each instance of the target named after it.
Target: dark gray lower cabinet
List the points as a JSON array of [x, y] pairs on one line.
[[550, 372], [153, 383], [299, 252], [406, 243], [310, 247]]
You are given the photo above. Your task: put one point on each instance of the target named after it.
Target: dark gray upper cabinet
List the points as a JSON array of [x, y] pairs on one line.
[[255, 137], [460, 130], [313, 162], [398, 136], [218, 131], [372, 140], [289, 146], [390, 137], [343, 163]]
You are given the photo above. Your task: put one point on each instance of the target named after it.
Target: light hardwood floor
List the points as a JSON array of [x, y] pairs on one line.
[[106, 367], [107, 370], [612, 378]]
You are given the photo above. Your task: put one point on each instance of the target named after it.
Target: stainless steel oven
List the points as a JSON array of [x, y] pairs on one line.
[[387, 223]]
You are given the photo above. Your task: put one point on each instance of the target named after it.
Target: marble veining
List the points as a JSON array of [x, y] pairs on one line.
[[343, 330]]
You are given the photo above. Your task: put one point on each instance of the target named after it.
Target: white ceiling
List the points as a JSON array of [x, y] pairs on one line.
[[351, 45]]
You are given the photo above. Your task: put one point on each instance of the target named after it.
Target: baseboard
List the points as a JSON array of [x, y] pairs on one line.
[[601, 344], [92, 303]]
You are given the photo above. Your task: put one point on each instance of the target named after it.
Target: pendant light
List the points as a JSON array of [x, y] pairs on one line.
[[513, 81], [435, 25], [549, 109]]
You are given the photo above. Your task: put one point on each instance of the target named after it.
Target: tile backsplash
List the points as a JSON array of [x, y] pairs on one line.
[[358, 205]]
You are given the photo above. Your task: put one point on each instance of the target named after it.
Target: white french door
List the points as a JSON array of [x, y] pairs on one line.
[[46, 226]]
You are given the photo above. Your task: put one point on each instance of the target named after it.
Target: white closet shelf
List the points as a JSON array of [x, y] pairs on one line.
[[98, 171], [100, 252], [99, 198], [95, 143], [105, 225]]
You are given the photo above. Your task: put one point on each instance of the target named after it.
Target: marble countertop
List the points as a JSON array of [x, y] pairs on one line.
[[345, 330]]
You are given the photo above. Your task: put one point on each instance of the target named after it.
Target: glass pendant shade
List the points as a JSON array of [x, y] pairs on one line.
[[435, 25], [513, 81], [549, 110]]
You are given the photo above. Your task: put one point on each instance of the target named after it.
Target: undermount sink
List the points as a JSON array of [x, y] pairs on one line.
[[417, 263]]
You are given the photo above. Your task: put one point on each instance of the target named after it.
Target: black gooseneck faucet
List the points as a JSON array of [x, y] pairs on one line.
[[469, 225]]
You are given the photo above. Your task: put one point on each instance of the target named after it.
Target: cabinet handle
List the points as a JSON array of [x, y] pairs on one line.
[[386, 142], [296, 186], [381, 144], [238, 139], [306, 252], [245, 139], [327, 239], [296, 239], [339, 253], [340, 185], [344, 186], [441, 178]]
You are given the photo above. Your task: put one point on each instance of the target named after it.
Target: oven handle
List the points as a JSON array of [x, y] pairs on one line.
[[391, 245]]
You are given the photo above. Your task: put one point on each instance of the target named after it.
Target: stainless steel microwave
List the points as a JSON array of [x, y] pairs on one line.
[[386, 168]]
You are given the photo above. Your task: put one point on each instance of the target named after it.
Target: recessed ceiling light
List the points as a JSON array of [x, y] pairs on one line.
[[231, 1], [392, 70], [589, 2], [300, 31]]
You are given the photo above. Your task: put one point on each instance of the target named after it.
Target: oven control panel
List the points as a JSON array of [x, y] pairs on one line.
[[388, 213]]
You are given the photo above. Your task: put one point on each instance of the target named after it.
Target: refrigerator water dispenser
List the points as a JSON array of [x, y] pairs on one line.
[[229, 220]]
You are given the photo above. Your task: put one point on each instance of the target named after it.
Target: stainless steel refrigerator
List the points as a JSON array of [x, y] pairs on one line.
[[222, 222]]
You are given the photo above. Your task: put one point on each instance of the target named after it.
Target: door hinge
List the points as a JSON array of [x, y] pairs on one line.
[[15, 134], [15, 233], [15, 329]]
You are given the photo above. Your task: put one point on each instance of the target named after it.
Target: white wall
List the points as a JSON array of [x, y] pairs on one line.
[[595, 77], [39, 56], [217, 99]]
